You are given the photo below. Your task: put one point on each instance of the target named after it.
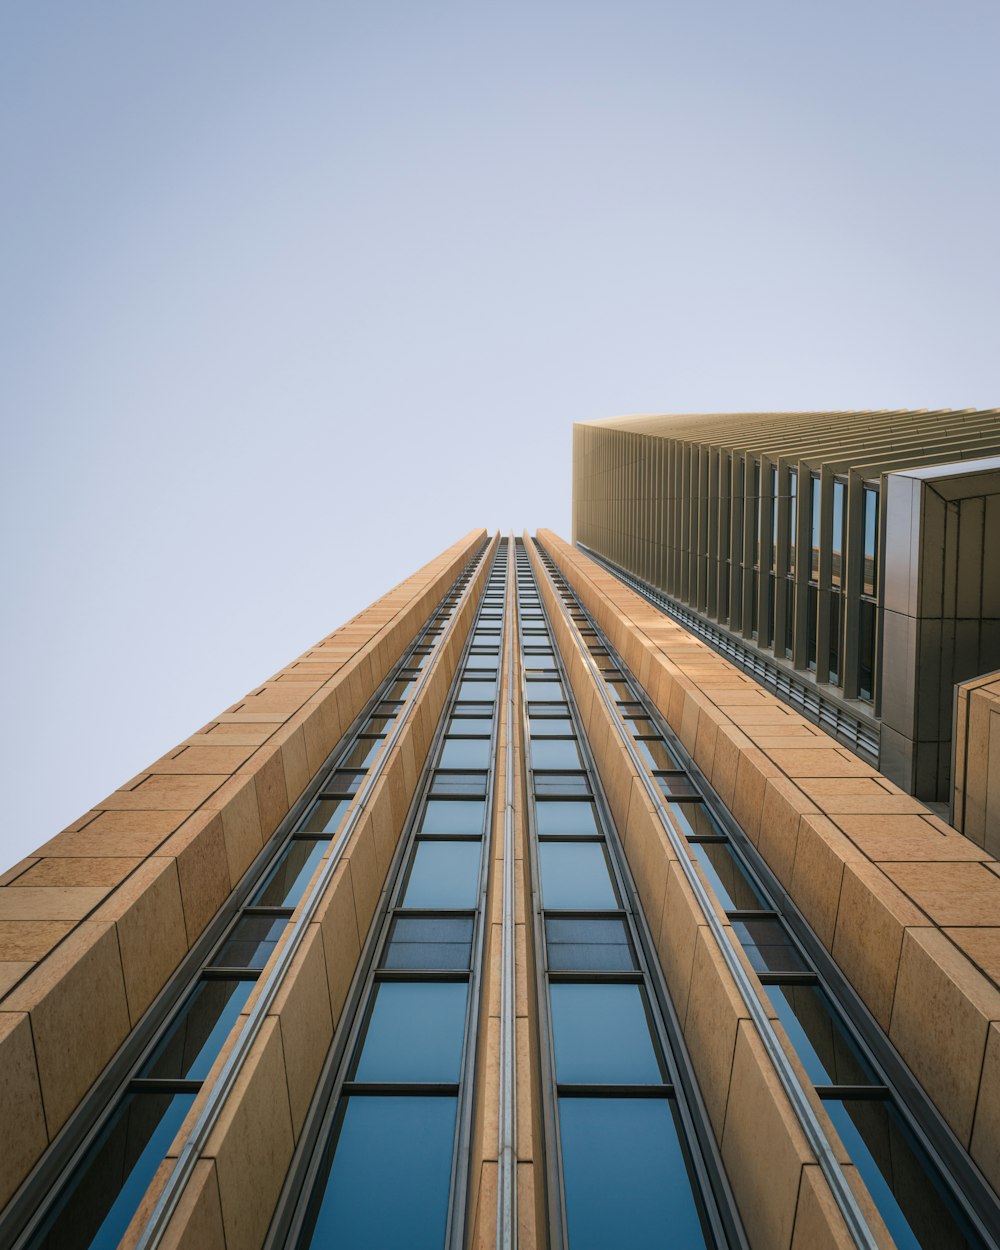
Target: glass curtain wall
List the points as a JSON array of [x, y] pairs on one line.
[[913, 1194], [93, 1204], [868, 608], [626, 1164], [392, 1156]]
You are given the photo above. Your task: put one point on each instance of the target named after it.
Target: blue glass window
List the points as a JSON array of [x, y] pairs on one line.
[[656, 753], [602, 1035], [555, 753], [192, 1043], [694, 820], [550, 726], [561, 783], [389, 1183], [414, 1032], [363, 752], [898, 1176], [576, 874], [626, 1177], [429, 942], [544, 691], [828, 1055], [588, 943], [443, 875], [477, 691], [768, 946], [465, 783], [731, 885], [471, 725], [325, 816], [565, 819], [105, 1191], [465, 753], [285, 884], [250, 942], [458, 816]]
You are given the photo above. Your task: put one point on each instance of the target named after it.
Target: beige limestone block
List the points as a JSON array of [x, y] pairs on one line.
[[252, 1142], [985, 1148], [49, 902], [341, 945], [940, 1021], [765, 1181], [870, 924], [821, 851], [303, 1008], [151, 934], [24, 1133], [77, 871], [950, 893], [714, 1011], [78, 993]]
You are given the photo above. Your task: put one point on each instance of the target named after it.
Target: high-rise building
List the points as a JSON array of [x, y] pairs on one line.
[[510, 914], [837, 557]]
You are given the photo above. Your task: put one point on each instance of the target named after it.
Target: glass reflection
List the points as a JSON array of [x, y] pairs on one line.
[[627, 1178], [389, 1182], [602, 1035], [414, 1032], [285, 884], [576, 874], [443, 875]]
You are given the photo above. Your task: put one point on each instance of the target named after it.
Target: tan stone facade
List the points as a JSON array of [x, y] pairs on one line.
[[100, 924], [908, 908], [95, 921]]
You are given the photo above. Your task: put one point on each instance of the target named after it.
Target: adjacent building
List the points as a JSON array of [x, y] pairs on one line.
[[836, 556], [510, 914]]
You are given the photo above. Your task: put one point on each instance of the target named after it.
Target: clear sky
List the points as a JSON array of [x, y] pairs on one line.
[[293, 295]]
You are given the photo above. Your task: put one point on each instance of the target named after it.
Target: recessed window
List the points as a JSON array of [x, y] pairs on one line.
[[550, 726], [455, 816], [458, 782], [828, 1055], [676, 784], [565, 819], [465, 753], [443, 875], [588, 944], [482, 725], [285, 884], [768, 946], [561, 783], [390, 1178], [104, 1192], [695, 820], [656, 753], [898, 1176], [576, 875], [555, 753], [193, 1042], [545, 691], [363, 752], [414, 1032], [325, 816], [429, 942], [726, 877], [627, 1179], [345, 781], [477, 691], [602, 1035], [250, 942]]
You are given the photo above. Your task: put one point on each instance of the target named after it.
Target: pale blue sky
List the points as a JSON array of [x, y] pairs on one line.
[[292, 295]]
